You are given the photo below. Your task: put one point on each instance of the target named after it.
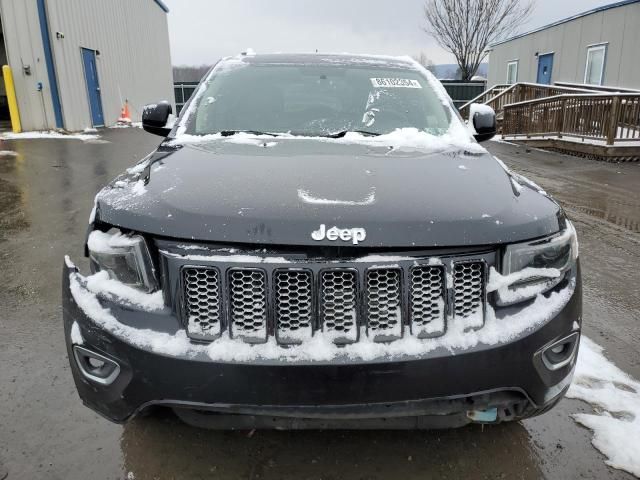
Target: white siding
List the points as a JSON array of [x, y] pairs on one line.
[[618, 27], [134, 62], [24, 48]]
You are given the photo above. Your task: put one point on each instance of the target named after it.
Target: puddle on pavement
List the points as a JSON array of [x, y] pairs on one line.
[[13, 215], [155, 447]]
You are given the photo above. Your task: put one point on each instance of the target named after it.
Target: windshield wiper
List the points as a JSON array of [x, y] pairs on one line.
[[228, 133], [342, 133]]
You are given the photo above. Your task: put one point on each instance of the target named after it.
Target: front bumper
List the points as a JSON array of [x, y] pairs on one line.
[[441, 388]]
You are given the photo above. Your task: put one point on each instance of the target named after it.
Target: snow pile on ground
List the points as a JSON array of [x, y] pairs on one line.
[[85, 137], [127, 125], [8, 153], [321, 347], [615, 397]]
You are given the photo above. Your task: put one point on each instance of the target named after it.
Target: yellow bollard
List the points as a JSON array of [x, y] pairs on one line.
[[14, 113]]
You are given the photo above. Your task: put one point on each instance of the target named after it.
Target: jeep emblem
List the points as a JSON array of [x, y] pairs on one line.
[[355, 235]]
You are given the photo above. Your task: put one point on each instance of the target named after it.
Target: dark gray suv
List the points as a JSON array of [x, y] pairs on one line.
[[320, 242]]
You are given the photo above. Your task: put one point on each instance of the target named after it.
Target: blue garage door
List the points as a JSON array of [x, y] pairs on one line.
[[545, 68], [93, 87]]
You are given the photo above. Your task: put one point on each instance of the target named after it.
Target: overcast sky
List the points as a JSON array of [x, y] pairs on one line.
[[202, 31]]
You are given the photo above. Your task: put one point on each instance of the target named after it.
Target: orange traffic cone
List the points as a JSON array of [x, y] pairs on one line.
[[125, 115]]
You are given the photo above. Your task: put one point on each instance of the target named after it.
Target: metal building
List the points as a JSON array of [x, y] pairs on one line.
[[74, 63], [598, 47]]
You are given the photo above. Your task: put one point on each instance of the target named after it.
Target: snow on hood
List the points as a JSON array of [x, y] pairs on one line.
[[321, 347]]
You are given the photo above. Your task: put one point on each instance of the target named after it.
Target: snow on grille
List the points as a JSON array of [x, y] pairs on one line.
[[468, 284], [338, 304], [426, 300], [384, 312], [294, 301], [202, 302], [248, 304]]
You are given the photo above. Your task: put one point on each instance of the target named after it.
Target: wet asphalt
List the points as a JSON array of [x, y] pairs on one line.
[[46, 194]]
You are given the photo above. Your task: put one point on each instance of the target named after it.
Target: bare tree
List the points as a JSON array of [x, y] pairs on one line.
[[467, 27], [423, 60]]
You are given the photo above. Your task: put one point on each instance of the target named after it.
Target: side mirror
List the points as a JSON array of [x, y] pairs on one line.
[[484, 121], [155, 117]]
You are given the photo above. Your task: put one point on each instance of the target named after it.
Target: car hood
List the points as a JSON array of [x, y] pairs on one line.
[[278, 192]]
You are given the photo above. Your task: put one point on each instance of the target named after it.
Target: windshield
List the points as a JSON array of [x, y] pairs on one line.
[[315, 100]]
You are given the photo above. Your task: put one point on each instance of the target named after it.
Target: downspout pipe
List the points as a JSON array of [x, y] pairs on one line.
[[51, 68]]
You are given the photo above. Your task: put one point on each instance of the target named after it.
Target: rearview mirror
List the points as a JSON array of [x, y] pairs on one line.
[[155, 117], [483, 119]]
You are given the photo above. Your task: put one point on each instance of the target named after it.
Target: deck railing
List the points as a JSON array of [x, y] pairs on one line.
[[518, 92], [609, 118]]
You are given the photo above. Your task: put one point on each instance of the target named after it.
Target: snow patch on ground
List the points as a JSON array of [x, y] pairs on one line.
[[321, 347], [307, 197], [8, 153], [615, 397], [50, 134]]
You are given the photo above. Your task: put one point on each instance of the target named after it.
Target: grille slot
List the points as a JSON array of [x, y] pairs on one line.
[[384, 305], [426, 300], [339, 305], [468, 284], [248, 304], [294, 305], [202, 302]]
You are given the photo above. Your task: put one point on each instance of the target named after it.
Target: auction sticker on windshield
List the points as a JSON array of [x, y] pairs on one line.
[[395, 83]]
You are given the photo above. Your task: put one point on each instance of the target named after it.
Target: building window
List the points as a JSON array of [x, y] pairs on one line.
[[594, 71], [512, 72]]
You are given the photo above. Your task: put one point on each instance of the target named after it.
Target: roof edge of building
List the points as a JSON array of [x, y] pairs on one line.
[[602, 8], [164, 7]]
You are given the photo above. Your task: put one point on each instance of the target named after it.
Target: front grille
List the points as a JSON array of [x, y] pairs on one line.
[[468, 284], [384, 303], [248, 304], [294, 301], [339, 304], [293, 305], [203, 302], [426, 294]]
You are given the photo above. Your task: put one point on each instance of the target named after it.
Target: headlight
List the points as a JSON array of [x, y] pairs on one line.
[[534, 267], [124, 257]]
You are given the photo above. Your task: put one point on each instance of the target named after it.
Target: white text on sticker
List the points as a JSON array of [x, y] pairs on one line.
[[395, 83]]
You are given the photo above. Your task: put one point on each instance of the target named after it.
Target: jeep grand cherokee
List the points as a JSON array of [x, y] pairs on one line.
[[320, 242]]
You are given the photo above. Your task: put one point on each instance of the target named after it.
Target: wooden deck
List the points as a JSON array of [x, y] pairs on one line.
[[598, 124]]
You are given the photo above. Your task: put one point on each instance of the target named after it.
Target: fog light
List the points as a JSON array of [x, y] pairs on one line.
[[561, 352], [96, 367]]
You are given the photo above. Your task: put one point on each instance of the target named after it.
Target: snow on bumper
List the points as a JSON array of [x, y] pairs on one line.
[[101, 308], [159, 364]]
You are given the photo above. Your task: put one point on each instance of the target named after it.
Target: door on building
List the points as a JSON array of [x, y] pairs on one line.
[[545, 68], [93, 87]]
